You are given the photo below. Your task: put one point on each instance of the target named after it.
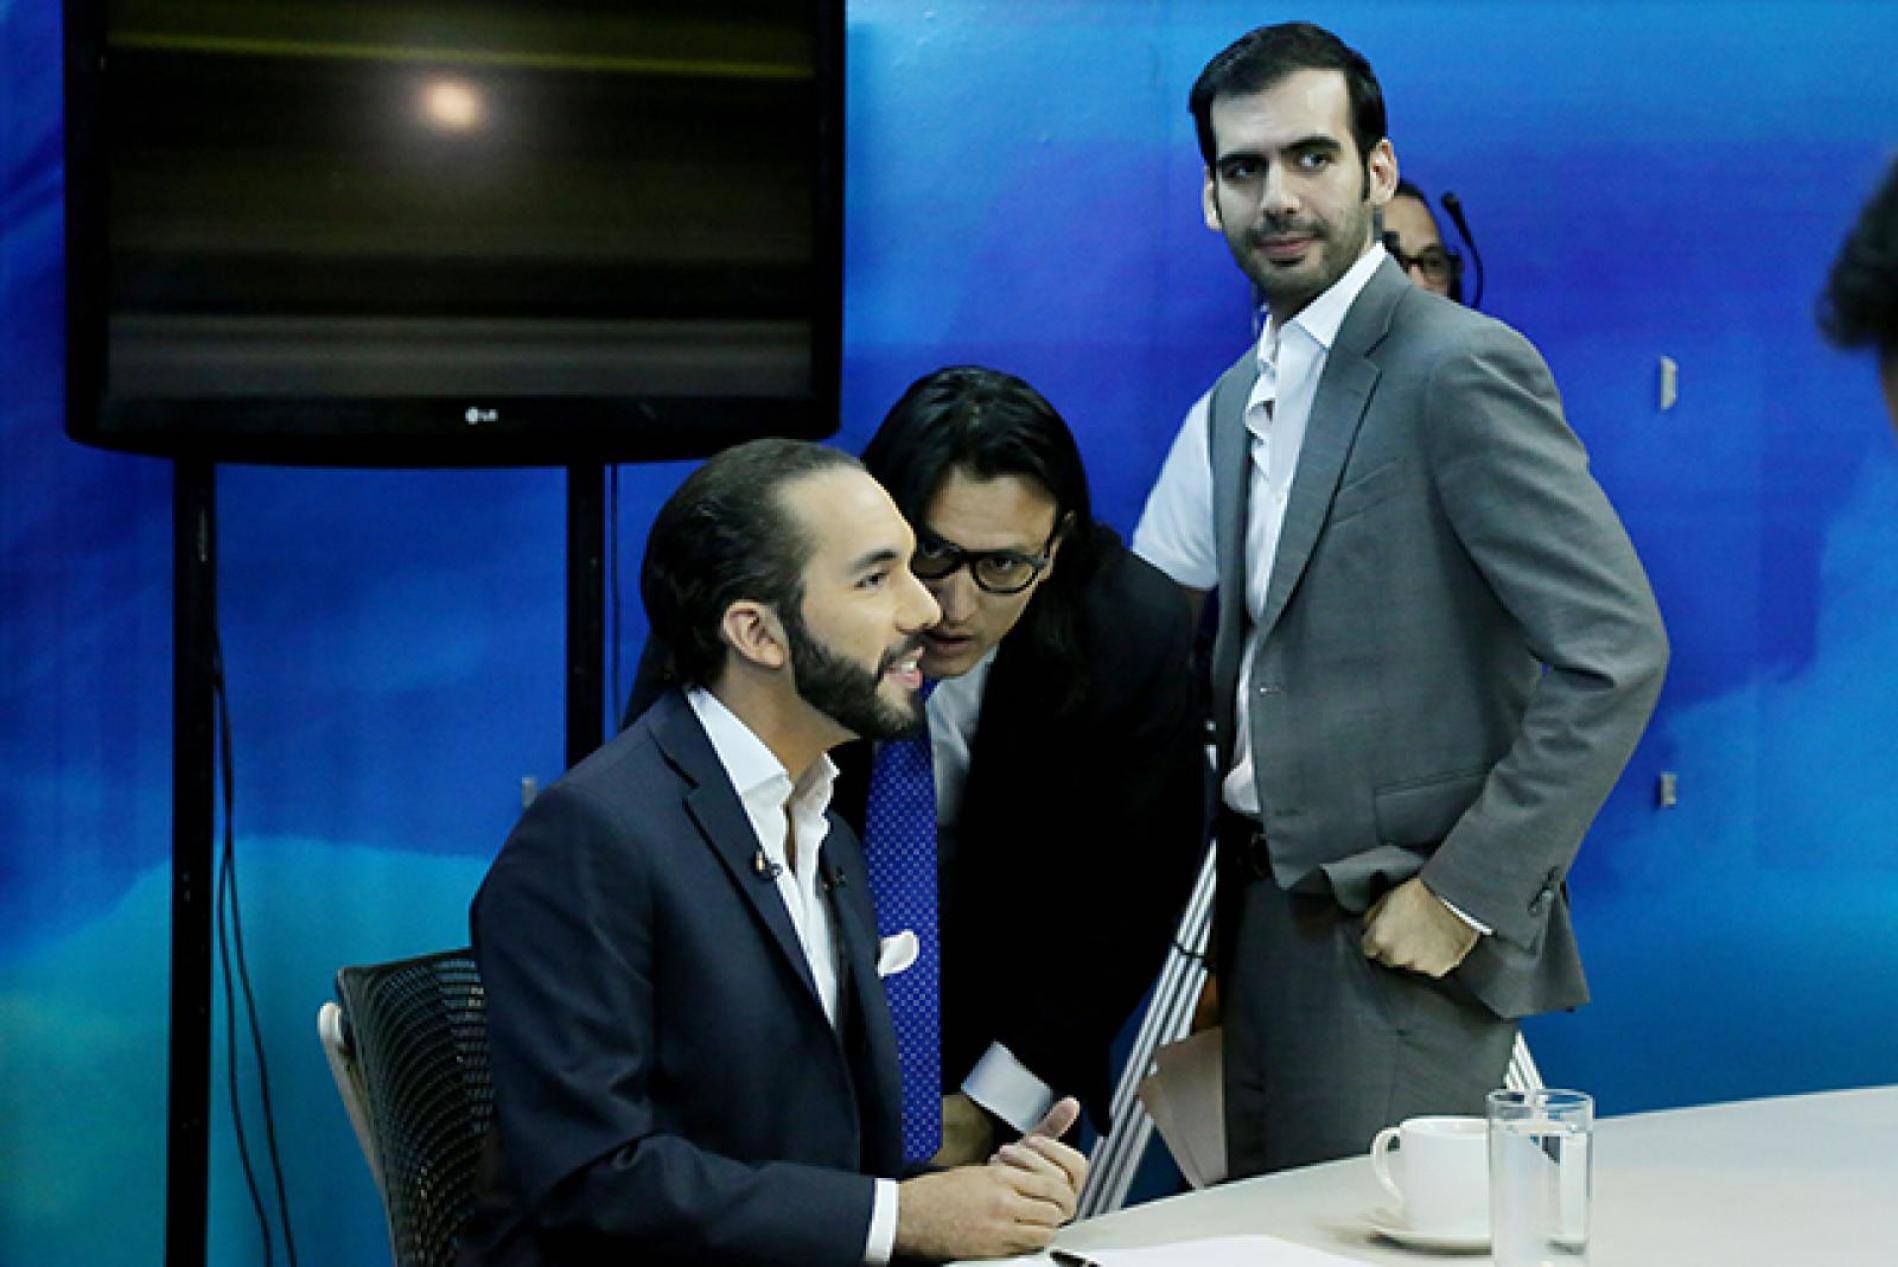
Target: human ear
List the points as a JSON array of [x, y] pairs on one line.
[[753, 631], [1381, 168]]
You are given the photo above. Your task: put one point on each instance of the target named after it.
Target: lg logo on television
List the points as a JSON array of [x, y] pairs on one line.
[[476, 415]]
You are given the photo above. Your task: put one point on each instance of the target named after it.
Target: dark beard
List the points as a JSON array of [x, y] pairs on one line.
[[1339, 247], [844, 691]]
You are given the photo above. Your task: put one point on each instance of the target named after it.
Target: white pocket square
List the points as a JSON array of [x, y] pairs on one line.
[[896, 953]]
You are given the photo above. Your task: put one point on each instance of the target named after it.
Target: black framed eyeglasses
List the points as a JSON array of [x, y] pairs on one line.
[[994, 571], [1437, 263]]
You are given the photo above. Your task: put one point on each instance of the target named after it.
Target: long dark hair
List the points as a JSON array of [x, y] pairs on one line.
[[1860, 303], [989, 424]]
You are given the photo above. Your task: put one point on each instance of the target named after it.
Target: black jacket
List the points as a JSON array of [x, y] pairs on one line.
[[1080, 835]]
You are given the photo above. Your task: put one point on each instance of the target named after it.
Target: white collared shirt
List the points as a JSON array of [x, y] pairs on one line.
[[775, 807], [1176, 532], [955, 706], [780, 812]]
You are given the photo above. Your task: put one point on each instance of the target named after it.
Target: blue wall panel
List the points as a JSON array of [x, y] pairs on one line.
[[1645, 180], [84, 742]]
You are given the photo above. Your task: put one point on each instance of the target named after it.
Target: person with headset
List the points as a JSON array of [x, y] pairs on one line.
[[1414, 241]]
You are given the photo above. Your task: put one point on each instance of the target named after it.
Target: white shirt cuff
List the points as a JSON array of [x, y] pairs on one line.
[[1464, 915], [881, 1242], [1002, 1085]]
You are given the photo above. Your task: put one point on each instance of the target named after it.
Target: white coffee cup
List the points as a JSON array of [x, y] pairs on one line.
[[1441, 1177]]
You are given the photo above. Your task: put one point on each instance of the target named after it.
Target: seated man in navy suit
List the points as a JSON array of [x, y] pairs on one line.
[[691, 1048]]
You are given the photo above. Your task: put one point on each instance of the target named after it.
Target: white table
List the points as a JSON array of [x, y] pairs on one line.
[[1788, 1182]]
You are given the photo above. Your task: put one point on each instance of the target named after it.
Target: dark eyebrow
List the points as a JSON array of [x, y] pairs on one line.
[[1317, 142], [1015, 552], [873, 559], [1306, 145], [924, 530]]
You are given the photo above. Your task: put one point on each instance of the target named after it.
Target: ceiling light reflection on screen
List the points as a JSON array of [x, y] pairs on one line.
[[453, 105]]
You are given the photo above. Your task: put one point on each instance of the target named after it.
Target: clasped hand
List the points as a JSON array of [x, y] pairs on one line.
[[1410, 928], [1011, 1204]]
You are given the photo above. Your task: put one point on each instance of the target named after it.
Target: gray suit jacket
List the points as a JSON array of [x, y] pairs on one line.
[[1460, 647]]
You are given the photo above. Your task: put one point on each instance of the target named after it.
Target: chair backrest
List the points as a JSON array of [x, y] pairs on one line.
[[413, 1042]]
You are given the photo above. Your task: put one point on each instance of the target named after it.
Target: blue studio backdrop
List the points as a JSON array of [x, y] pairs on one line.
[[1645, 179]]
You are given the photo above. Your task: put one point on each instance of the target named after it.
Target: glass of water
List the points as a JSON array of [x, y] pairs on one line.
[[1540, 1177]]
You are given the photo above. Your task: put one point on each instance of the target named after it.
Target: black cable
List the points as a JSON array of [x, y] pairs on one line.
[[224, 883], [227, 897], [1454, 205]]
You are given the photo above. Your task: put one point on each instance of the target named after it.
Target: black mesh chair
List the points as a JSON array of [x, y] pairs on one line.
[[408, 1047]]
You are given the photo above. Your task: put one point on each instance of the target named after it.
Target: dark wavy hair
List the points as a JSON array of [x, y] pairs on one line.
[[1260, 58], [988, 424], [1407, 188], [723, 537], [1859, 307]]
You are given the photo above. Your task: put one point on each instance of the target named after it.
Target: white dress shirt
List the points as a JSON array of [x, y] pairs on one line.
[[781, 813], [1176, 532]]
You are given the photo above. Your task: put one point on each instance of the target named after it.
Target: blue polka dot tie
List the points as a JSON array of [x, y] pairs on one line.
[[899, 845]]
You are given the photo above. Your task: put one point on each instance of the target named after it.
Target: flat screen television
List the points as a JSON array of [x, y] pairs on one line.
[[452, 232]]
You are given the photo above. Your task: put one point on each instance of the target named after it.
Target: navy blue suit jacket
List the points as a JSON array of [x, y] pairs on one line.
[[667, 1085]]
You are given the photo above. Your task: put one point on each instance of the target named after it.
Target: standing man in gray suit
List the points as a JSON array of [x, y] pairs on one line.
[[1435, 649]]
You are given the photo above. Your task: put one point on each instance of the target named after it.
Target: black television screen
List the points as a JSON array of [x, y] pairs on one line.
[[451, 232]]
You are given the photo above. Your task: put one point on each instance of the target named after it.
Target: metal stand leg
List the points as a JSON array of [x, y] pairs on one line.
[[1117, 1157], [193, 620], [1522, 1074]]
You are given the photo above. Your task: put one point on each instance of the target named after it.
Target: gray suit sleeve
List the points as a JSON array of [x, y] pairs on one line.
[[1514, 483]]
